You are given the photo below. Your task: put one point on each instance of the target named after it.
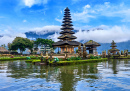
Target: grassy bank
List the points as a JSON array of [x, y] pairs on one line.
[[128, 57], [71, 62], [78, 61], [16, 58]]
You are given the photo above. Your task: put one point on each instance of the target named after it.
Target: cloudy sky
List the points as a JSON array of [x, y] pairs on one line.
[[19, 16]]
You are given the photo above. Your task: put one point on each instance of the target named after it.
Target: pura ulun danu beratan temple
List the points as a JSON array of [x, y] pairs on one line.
[[67, 39]]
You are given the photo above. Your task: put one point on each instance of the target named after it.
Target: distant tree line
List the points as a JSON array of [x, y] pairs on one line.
[[23, 43]]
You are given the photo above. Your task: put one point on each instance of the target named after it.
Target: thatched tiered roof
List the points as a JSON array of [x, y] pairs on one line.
[[113, 45], [2, 49], [67, 37], [91, 43], [60, 43]]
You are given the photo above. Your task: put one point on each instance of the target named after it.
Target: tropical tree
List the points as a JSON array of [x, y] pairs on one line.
[[21, 43], [43, 42]]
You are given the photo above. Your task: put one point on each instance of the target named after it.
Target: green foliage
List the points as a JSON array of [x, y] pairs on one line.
[[75, 58], [3, 45], [21, 43], [122, 52], [44, 42], [56, 59], [91, 56], [94, 57], [78, 58], [68, 59], [36, 60], [16, 58], [28, 58], [78, 61]]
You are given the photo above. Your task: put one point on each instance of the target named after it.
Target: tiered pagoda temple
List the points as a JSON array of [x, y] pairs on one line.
[[113, 50], [92, 46], [67, 38]]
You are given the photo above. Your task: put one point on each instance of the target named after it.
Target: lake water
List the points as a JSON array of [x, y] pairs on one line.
[[112, 75]]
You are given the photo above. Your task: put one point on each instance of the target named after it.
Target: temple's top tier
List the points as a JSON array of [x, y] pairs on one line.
[[67, 34], [67, 9], [113, 43], [67, 37]]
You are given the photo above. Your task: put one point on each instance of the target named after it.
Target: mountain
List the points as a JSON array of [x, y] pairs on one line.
[[38, 35], [121, 46], [42, 34], [104, 46]]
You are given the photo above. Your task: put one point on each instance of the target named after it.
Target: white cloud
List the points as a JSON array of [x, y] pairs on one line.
[[83, 16], [9, 38], [24, 20], [54, 37], [116, 33], [107, 9], [87, 6], [61, 11], [119, 34], [30, 3], [46, 29], [9, 35]]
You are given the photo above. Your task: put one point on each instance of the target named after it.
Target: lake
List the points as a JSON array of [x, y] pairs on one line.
[[111, 75]]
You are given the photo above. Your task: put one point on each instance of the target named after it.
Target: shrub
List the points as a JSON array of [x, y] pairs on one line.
[[75, 58], [68, 59], [78, 58], [92, 56]]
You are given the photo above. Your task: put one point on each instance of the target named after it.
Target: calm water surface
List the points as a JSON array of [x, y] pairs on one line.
[[112, 75]]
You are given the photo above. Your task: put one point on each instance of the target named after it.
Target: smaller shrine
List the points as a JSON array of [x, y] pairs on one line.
[[3, 50], [113, 50], [92, 46]]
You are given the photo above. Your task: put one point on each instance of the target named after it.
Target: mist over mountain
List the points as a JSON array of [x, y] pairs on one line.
[[46, 33], [42, 34], [104, 46]]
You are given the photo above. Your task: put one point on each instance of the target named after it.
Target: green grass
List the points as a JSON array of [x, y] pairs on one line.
[[78, 61], [128, 57], [29, 60], [36, 60], [71, 62], [17, 58], [124, 57]]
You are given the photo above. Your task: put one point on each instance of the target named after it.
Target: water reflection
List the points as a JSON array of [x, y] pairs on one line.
[[91, 76]]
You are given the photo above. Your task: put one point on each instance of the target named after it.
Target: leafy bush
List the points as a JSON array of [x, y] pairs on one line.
[[78, 58], [68, 59], [75, 58], [94, 57]]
